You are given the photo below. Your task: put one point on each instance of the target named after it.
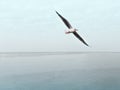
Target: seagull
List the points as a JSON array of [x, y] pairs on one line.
[[71, 29]]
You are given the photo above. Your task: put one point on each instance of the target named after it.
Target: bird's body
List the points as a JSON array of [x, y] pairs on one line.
[[71, 29]]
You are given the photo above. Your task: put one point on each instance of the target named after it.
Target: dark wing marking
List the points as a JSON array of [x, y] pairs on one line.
[[80, 38], [64, 20]]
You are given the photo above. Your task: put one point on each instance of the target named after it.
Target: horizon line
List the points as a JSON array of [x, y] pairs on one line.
[[62, 52]]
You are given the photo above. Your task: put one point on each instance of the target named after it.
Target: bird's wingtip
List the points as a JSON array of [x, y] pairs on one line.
[[88, 45], [56, 11]]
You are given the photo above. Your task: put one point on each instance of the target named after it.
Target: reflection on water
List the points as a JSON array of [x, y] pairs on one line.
[[60, 71]]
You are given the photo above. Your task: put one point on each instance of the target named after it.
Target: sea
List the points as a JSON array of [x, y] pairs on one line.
[[60, 71]]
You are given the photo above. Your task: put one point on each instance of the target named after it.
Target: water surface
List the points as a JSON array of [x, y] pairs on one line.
[[60, 71]]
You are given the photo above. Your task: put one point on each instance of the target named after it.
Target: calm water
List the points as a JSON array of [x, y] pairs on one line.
[[60, 71]]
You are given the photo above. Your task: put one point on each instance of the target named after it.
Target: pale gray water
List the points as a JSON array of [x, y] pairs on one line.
[[60, 71]]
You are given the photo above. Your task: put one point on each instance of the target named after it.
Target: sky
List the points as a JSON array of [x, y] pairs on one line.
[[33, 26]]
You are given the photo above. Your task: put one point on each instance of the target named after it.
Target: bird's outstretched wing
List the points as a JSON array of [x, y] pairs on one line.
[[80, 38], [64, 20]]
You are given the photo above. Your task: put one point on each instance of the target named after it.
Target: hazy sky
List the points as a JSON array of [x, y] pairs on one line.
[[32, 25]]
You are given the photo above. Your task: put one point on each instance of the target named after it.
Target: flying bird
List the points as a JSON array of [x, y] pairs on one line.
[[71, 29]]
